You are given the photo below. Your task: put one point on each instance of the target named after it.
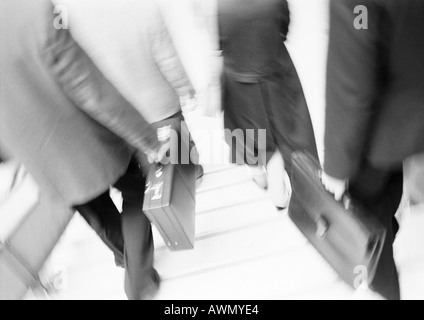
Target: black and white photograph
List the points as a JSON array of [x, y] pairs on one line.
[[211, 154]]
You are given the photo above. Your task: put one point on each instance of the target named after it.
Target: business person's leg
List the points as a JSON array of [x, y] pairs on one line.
[[105, 219], [381, 192], [288, 112], [141, 279]]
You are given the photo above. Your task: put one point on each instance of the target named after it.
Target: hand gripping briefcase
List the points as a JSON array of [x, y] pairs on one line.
[[348, 237], [169, 200]]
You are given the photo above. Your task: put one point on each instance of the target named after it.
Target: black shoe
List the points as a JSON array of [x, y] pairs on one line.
[[152, 292]]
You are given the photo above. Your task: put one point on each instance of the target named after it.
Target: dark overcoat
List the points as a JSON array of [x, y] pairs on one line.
[[375, 85]]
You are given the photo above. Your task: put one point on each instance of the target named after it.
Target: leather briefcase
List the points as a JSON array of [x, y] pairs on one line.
[[170, 205], [31, 226], [170, 196], [349, 238]]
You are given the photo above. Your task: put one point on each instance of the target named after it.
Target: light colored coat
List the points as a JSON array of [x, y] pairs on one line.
[[130, 43], [59, 116]]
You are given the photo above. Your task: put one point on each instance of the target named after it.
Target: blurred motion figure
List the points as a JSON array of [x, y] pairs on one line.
[[130, 43], [375, 110], [261, 88], [74, 132]]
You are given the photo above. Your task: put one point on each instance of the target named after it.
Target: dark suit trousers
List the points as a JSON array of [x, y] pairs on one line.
[[380, 192], [276, 103], [127, 234]]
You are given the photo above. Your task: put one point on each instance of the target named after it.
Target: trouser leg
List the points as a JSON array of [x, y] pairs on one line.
[[105, 219], [140, 277], [380, 192]]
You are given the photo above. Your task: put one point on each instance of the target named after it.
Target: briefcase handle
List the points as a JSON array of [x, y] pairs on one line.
[[323, 225], [346, 200]]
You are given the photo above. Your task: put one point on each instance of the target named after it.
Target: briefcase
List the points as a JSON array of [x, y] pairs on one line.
[[31, 226], [170, 205], [348, 237], [170, 196]]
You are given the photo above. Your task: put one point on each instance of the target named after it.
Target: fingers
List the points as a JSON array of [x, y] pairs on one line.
[[163, 150], [156, 156], [188, 104], [152, 157], [335, 186], [338, 194]]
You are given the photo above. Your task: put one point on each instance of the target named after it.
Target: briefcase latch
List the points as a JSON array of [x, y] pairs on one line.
[[170, 244], [157, 190], [322, 228]]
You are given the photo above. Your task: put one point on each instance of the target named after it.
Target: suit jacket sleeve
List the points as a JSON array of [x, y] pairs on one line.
[[166, 56], [352, 87], [86, 86]]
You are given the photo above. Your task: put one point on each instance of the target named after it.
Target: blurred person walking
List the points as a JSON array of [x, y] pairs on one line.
[[262, 90], [74, 132], [132, 46], [375, 110], [130, 43]]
